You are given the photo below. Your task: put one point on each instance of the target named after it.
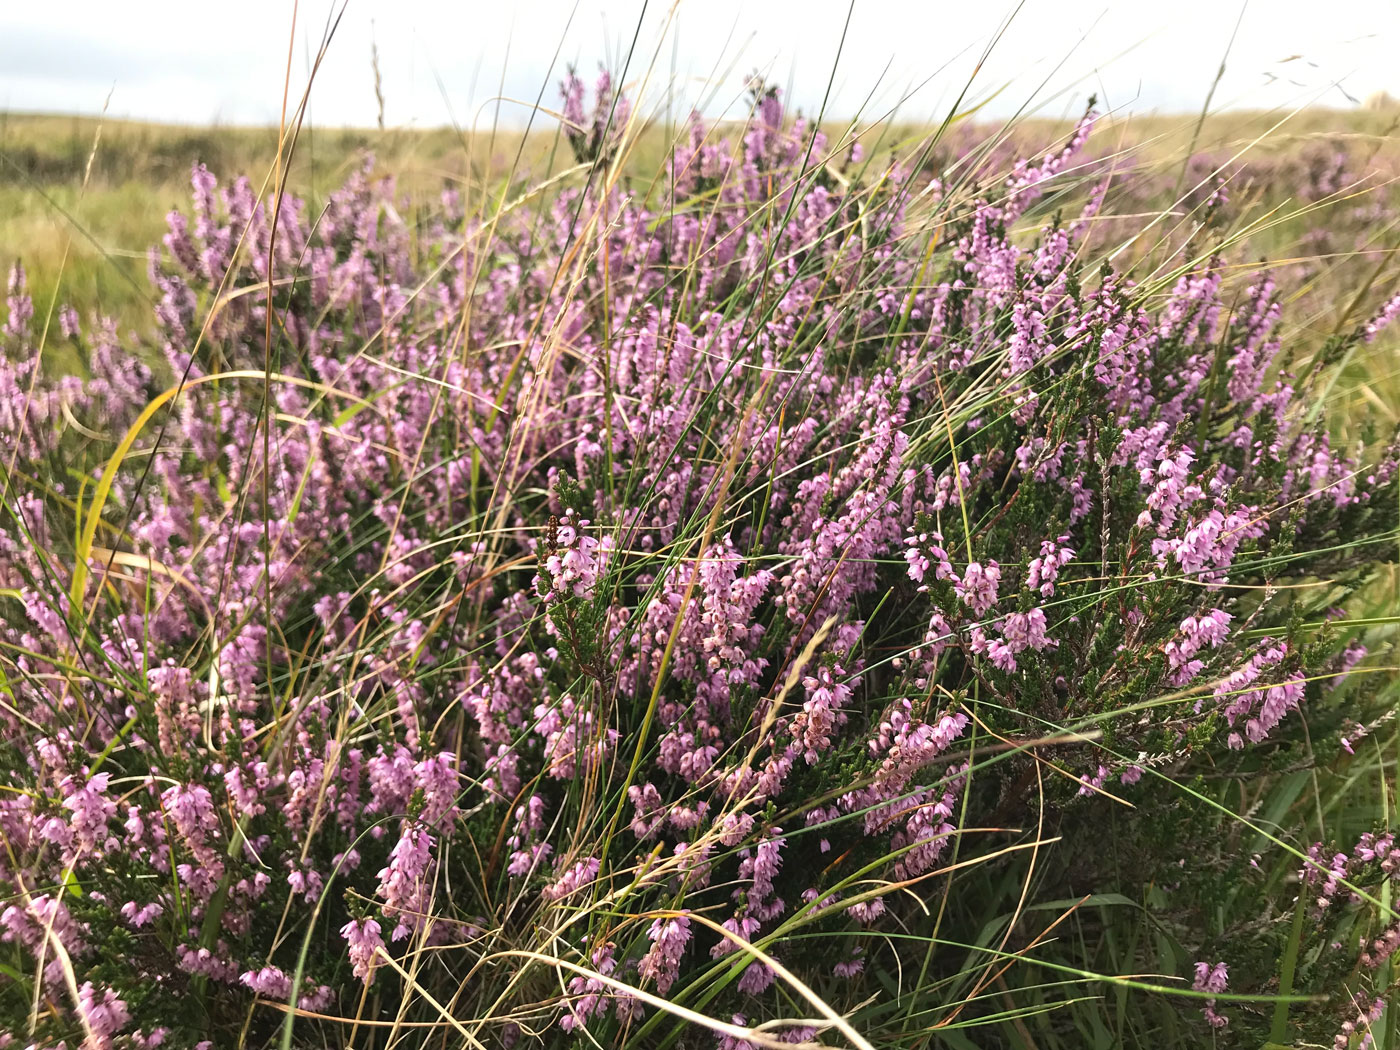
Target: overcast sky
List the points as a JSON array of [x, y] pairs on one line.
[[442, 61]]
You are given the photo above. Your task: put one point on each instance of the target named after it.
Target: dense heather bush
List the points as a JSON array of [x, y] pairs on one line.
[[631, 595]]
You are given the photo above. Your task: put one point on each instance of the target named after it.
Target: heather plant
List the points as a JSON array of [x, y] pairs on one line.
[[673, 615]]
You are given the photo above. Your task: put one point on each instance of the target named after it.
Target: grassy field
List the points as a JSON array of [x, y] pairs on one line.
[[83, 199], [100, 188]]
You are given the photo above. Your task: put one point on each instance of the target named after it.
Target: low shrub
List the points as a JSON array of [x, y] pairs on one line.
[[655, 616]]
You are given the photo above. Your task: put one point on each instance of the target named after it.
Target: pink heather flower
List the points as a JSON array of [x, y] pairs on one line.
[[525, 861], [571, 881], [687, 818], [766, 863], [21, 306], [575, 564], [1352, 655], [191, 810], [1208, 544], [363, 942], [438, 779], [1382, 948], [1044, 569], [734, 828], [1260, 707], [141, 914], [526, 854], [662, 963], [1211, 979], [1026, 183], [693, 863], [214, 964], [316, 1000], [650, 812], [1028, 342], [867, 911], [978, 586], [756, 979], [573, 90], [849, 968], [1170, 489], [1091, 784], [1023, 631], [270, 982], [734, 1042], [306, 883], [594, 996], [403, 884], [104, 1015], [908, 746], [928, 828], [1206, 631], [918, 563], [924, 551], [1386, 314], [572, 738], [744, 927], [1365, 1016], [90, 809], [246, 787]]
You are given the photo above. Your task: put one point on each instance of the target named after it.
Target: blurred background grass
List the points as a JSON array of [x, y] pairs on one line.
[[137, 172], [99, 190]]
